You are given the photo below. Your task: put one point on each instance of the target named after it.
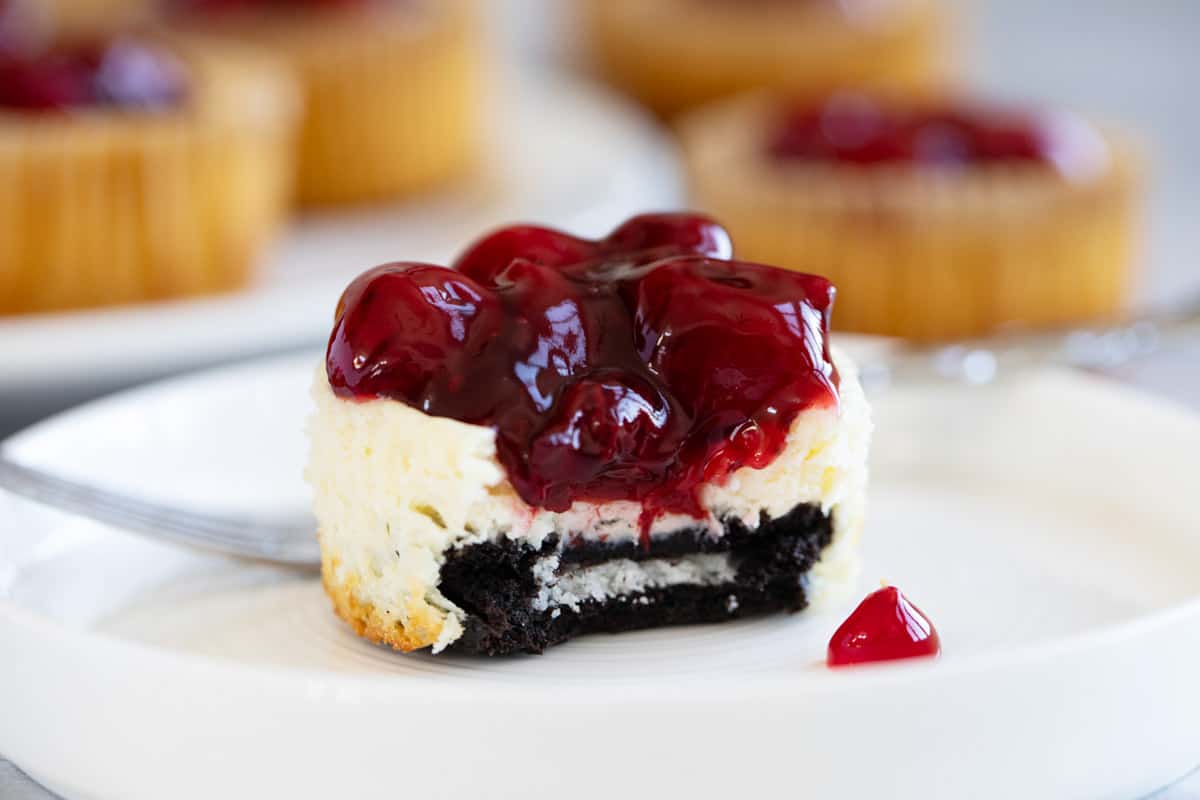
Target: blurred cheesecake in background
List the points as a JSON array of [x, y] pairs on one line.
[[935, 220], [675, 54], [134, 169], [391, 87]]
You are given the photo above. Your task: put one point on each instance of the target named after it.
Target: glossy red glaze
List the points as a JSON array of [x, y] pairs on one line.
[[853, 129], [634, 367], [884, 627], [121, 73]]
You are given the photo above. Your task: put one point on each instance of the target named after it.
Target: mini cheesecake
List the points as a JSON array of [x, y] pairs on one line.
[[937, 220], [137, 168], [561, 436]]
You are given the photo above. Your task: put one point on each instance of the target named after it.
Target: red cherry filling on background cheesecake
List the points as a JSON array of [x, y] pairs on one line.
[[856, 129], [635, 367], [121, 73]]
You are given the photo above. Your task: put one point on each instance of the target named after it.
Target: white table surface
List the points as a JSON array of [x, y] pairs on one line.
[[1113, 58]]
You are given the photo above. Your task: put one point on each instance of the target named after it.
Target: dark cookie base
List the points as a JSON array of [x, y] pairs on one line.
[[494, 583]]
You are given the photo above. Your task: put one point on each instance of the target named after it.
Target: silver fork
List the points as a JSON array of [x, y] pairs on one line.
[[292, 541], [981, 361], [288, 541]]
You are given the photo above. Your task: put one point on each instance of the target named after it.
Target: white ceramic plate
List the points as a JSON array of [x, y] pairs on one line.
[[1049, 527], [562, 152]]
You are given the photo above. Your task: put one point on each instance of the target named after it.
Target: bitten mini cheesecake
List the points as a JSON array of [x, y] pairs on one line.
[[561, 436], [935, 220]]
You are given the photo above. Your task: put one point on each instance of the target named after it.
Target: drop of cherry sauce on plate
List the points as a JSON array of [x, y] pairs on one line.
[[851, 128], [884, 627], [637, 367]]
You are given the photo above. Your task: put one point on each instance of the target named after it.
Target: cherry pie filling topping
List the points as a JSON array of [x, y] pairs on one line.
[[638, 367]]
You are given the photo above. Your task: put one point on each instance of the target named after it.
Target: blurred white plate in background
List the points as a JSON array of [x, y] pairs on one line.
[[563, 153], [1040, 524]]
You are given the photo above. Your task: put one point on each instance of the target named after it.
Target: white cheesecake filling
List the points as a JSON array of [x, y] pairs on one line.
[[395, 489]]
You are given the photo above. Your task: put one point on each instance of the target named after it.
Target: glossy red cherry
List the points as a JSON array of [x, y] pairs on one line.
[[488, 257], [739, 320], [632, 367], [640, 240], [717, 333], [854, 129], [674, 234], [552, 335], [408, 330], [884, 627], [610, 425]]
